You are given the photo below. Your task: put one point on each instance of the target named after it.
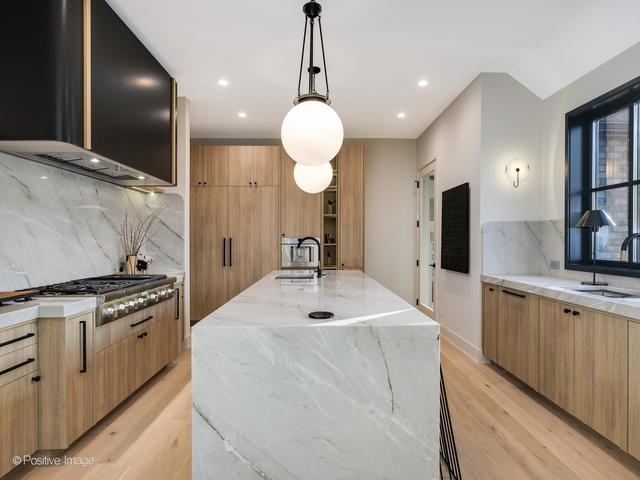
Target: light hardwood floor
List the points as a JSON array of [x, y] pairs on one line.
[[503, 431], [147, 437]]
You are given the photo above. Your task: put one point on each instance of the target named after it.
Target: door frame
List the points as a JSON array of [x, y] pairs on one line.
[[432, 165]]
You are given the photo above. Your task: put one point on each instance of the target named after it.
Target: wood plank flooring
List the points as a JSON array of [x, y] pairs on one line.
[[503, 431]]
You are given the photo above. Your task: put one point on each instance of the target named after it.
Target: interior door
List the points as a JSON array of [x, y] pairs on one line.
[[245, 251], [427, 240], [351, 207], [241, 166], [209, 249]]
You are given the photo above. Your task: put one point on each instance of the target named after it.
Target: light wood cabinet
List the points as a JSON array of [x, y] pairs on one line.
[[634, 389], [253, 166], [209, 165], [300, 212], [66, 345], [518, 334], [240, 166], [351, 207], [490, 322], [210, 247], [601, 373], [18, 420], [115, 375], [244, 248], [556, 357]]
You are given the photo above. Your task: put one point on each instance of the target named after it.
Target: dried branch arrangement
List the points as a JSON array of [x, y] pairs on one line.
[[134, 232]]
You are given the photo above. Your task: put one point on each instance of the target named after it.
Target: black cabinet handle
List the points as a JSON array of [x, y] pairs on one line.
[[575, 313], [36, 378], [230, 252], [15, 367], [224, 252], [177, 303], [520, 295], [141, 321], [17, 339], [83, 326], [491, 289], [142, 335], [567, 310]]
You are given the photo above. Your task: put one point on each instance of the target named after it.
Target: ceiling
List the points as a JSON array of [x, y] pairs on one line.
[[377, 50]]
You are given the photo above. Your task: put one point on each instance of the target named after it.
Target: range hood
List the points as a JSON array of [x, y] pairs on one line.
[[84, 94]]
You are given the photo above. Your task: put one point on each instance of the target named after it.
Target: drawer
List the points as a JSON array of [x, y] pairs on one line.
[[18, 364], [15, 338], [119, 329]]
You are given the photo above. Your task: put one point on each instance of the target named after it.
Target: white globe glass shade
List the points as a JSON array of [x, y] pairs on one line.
[[312, 133], [313, 178], [516, 170]]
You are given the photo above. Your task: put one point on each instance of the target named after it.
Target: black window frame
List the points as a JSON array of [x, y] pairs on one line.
[[578, 179]]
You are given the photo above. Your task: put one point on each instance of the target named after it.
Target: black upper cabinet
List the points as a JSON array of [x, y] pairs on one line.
[[128, 114], [131, 100]]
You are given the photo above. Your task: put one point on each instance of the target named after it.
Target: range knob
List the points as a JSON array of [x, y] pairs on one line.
[[121, 307], [108, 312], [163, 293]]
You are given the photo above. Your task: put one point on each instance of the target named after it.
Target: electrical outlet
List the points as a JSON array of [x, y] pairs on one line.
[[554, 264]]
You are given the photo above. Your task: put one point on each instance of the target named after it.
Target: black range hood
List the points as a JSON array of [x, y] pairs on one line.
[[79, 91]]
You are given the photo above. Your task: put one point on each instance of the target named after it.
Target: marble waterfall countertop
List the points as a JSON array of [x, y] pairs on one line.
[[277, 395], [563, 290], [15, 313]]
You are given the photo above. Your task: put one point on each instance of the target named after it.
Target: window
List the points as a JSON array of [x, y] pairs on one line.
[[603, 173]]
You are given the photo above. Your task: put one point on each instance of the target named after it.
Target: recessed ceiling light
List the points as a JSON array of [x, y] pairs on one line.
[[242, 114], [141, 177], [94, 160], [223, 82], [423, 83], [43, 177], [401, 115]]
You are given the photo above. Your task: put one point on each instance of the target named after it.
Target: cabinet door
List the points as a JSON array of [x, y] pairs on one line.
[[556, 353], [601, 392], [79, 375], [518, 335], [18, 421], [634, 389], [490, 321], [268, 244], [266, 165], [115, 377], [209, 165], [244, 236], [209, 249], [300, 212], [240, 166], [351, 207], [143, 349]]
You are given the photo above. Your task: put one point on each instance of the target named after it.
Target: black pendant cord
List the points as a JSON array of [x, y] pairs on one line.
[[312, 73], [304, 42], [324, 58]]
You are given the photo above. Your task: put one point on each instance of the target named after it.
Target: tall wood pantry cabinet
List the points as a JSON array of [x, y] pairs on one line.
[[234, 221]]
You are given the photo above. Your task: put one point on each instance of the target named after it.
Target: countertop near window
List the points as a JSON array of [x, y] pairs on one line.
[[560, 289], [14, 314]]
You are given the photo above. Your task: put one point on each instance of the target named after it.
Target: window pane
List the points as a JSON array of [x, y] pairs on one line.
[[611, 149], [616, 203]]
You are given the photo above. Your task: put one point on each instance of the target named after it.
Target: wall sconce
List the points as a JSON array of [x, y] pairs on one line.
[[516, 171]]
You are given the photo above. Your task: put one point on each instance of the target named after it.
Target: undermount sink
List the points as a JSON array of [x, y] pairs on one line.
[[605, 292], [295, 276]]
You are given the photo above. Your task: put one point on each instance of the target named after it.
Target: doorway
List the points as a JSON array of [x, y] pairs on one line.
[[427, 239]]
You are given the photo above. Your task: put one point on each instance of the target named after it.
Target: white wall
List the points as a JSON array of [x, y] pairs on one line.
[[453, 139], [182, 188]]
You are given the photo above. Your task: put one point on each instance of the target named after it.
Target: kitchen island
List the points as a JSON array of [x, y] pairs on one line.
[[280, 396]]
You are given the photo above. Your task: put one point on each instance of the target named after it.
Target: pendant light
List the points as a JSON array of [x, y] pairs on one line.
[[313, 178], [312, 131]]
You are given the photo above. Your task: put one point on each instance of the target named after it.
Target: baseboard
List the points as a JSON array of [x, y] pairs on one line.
[[463, 345]]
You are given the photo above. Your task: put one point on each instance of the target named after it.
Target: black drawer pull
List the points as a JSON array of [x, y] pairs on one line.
[[567, 310], [15, 367], [83, 324], [224, 252], [490, 289], [141, 321], [575, 313], [36, 378], [142, 335], [17, 339], [520, 295], [177, 303]]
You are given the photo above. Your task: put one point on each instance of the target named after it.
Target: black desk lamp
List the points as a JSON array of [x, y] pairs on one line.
[[594, 219]]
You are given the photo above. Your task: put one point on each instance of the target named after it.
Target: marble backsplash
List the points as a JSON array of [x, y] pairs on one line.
[[529, 248], [59, 226]]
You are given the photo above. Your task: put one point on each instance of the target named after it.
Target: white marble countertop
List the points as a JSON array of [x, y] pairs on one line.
[[13, 314], [352, 296], [561, 289]]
